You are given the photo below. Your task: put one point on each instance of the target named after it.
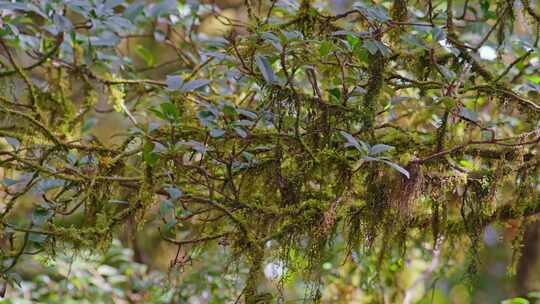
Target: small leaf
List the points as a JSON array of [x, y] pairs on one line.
[[14, 277], [273, 40], [174, 83], [194, 85], [217, 133], [270, 36], [370, 46], [240, 132], [246, 113], [534, 78], [383, 49], [534, 294], [379, 148], [266, 69], [174, 193], [351, 141], [343, 33], [369, 158], [165, 208], [170, 111], [437, 34], [517, 300], [448, 102], [159, 35], [248, 156], [8, 182], [49, 184], [12, 141], [467, 164], [336, 93], [195, 145], [170, 225], [363, 55], [372, 13], [290, 35], [41, 215], [468, 114], [230, 110], [353, 40], [149, 156], [158, 113], [360, 90], [37, 238], [398, 168], [145, 55], [325, 48], [243, 123], [447, 73], [106, 270], [88, 124]]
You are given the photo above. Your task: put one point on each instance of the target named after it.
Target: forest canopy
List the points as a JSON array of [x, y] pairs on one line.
[[271, 150]]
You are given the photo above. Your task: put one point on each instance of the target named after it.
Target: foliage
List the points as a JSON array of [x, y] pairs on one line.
[[94, 279], [381, 128]]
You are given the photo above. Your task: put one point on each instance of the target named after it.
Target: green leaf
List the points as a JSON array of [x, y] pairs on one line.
[[437, 34], [241, 132], [158, 113], [243, 123], [229, 110], [336, 93], [14, 278], [49, 184], [363, 54], [174, 193], [8, 182], [398, 168], [534, 78], [534, 294], [170, 225], [194, 85], [266, 69], [351, 141], [292, 35], [216, 133], [467, 164], [484, 5], [170, 111], [41, 215], [372, 13], [273, 40], [146, 55], [88, 124], [370, 46], [174, 83], [353, 40], [37, 237], [379, 148], [13, 142], [517, 300], [447, 73], [246, 113], [165, 208], [149, 156], [325, 48], [468, 114]]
